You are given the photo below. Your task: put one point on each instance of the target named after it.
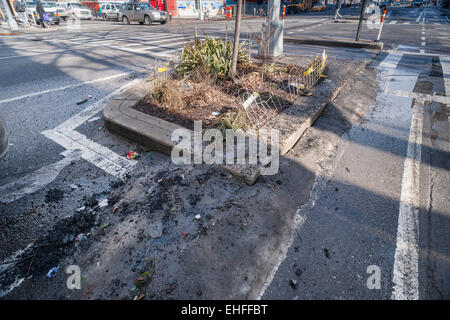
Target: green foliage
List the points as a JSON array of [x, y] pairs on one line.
[[216, 54]]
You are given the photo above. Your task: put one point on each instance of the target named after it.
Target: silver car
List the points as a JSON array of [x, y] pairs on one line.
[[142, 13], [3, 139], [110, 11]]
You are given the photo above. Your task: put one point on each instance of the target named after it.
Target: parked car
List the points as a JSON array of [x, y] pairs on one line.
[[319, 6], [78, 10], [60, 9], [3, 139], [142, 13], [110, 11], [32, 15], [416, 3]]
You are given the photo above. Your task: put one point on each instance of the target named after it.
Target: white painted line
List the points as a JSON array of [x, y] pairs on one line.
[[36, 180], [406, 22], [89, 112], [299, 30], [34, 94], [422, 38], [98, 155], [405, 277], [406, 264], [393, 22], [418, 96], [422, 51], [87, 45], [422, 44], [420, 16], [445, 63], [93, 152], [417, 53]]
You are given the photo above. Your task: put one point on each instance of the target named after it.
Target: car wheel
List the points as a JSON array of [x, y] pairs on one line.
[[125, 20], [147, 20], [163, 22], [105, 17]]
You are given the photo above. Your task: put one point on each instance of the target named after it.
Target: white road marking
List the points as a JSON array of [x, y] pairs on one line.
[[98, 155], [418, 96], [89, 112], [406, 22], [422, 38], [406, 265], [420, 16], [34, 94], [100, 43], [36, 180], [95, 153], [405, 275], [423, 43], [445, 63], [393, 22]]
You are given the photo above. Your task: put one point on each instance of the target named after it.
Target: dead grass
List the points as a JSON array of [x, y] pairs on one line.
[[199, 97], [167, 92]]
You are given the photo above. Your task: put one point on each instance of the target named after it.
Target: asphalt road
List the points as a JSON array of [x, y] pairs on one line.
[[359, 217], [354, 220]]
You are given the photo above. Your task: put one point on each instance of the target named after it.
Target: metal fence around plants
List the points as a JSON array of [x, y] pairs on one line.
[[260, 109], [304, 79]]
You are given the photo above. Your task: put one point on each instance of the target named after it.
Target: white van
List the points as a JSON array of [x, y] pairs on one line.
[[78, 10]]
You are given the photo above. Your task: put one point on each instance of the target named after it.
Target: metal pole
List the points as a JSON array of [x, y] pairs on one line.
[[276, 29], [361, 18], [237, 33], [381, 26], [12, 23]]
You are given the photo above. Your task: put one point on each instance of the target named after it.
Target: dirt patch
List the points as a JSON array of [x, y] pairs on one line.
[[207, 101], [54, 195]]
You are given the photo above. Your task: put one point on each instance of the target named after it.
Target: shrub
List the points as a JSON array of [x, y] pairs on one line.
[[216, 54]]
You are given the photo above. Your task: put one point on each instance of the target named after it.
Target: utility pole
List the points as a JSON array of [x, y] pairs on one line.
[[237, 33], [12, 23], [361, 18], [199, 8], [273, 28]]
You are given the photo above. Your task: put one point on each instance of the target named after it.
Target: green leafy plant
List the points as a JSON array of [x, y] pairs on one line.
[[215, 54]]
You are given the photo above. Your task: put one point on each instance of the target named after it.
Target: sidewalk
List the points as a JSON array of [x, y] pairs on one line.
[[334, 42], [5, 31]]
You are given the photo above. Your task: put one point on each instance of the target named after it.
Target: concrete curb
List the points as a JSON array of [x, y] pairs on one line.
[[290, 142], [120, 117], [330, 42]]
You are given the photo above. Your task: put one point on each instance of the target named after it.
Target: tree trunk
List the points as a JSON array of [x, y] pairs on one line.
[[237, 34]]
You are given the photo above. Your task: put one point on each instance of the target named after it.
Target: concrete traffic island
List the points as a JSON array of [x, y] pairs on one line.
[[155, 133]]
